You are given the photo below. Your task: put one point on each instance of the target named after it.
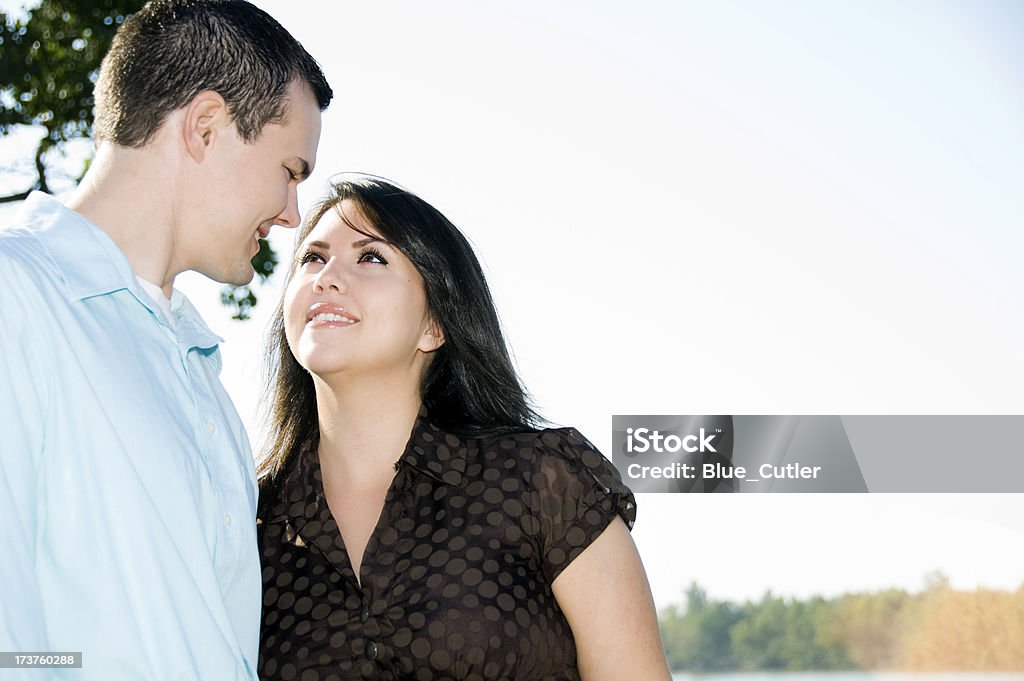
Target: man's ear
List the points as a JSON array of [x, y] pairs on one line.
[[206, 117], [432, 338]]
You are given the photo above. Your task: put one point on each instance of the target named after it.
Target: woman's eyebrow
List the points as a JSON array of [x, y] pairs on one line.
[[368, 240], [319, 245]]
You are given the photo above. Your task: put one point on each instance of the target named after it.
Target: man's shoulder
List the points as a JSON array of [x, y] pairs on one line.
[[21, 245], [30, 279], [61, 251], [22, 257], [24, 261]]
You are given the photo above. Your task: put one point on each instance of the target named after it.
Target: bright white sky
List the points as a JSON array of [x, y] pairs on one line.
[[716, 207]]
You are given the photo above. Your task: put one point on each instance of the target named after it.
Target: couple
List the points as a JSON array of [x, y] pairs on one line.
[[411, 521]]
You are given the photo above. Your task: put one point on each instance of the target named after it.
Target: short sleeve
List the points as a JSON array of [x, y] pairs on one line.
[[575, 494]]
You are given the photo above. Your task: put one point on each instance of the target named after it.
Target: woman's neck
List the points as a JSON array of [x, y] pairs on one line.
[[364, 428]]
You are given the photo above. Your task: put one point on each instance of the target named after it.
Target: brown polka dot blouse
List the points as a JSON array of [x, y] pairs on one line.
[[456, 577]]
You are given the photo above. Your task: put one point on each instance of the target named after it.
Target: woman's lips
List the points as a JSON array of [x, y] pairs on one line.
[[323, 314]]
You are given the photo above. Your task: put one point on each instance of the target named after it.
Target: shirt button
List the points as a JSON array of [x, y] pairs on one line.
[[227, 520], [211, 427], [364, 614], [371, 650]]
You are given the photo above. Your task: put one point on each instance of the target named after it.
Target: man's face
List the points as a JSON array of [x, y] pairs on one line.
[[251, 187]]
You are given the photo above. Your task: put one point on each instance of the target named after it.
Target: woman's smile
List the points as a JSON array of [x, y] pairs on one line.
[[330, 316]]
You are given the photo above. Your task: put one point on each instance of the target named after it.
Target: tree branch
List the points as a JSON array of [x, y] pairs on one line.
[[15, 197], [40, 166], [40, 183]]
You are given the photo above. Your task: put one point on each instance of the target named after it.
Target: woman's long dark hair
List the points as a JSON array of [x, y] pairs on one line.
[[469, 386]]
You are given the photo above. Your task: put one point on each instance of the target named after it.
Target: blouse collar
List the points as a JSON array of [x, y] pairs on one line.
[[430, 451]]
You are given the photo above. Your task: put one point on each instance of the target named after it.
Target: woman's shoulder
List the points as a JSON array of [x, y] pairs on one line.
[[546, 446], [557, 462], [567, 491]]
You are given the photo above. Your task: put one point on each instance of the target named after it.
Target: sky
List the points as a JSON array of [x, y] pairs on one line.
[[714, 208]]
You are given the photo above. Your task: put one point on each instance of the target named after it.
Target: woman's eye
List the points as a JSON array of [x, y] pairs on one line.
[[311, 256], [372, 255]]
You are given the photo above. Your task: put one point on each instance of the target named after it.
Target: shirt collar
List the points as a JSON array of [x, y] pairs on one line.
[[190, 327], [436, 453], [93, 265], [89, 260], [430, 451]]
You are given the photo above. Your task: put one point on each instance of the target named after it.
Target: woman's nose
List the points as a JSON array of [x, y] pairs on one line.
[[330, 278]]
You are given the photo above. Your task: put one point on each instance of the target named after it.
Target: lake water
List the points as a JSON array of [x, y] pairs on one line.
[[848, 676]]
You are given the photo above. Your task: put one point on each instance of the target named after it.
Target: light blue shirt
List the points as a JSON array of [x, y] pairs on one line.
[[127, 486]]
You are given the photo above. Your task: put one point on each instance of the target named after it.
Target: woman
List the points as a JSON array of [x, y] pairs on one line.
[[478, 547]]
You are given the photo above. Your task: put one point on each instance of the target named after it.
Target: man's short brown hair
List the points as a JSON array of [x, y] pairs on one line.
[[170, 50]]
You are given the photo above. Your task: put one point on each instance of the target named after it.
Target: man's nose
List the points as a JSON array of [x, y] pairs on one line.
[[290, 217]]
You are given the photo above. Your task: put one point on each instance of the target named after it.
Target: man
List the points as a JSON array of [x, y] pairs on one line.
[[127, 486]]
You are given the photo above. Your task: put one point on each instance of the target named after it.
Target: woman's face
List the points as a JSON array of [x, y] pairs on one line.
[[355, 304]]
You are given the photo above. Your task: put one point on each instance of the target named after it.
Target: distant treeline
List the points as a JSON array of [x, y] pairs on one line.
[[939, 629]]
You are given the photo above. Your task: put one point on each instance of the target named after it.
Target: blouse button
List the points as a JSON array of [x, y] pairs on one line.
[[371, 650], [364, 614]]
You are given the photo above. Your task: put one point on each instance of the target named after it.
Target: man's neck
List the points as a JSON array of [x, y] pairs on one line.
[[128, 195]]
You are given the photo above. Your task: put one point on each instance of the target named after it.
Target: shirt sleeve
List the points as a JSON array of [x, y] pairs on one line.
[[22, 626], [575, 494]]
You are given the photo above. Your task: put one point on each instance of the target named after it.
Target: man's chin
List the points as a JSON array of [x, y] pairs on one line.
[[240, 276], [243, 278]]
